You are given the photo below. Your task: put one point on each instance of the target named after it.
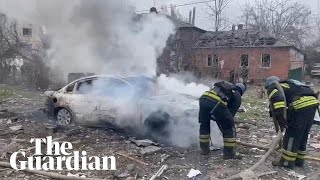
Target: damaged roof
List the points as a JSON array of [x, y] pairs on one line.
[[238, 38], [179, 24]]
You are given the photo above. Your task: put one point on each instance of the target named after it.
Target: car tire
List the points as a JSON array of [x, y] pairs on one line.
[[157, 125], [64, 117]]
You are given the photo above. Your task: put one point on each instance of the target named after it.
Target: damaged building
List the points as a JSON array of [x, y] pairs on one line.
[[236, 55], [240, 54], [31, 36], [246, 54], [179, 53]]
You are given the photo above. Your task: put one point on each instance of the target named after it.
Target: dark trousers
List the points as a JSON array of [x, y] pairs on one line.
[[296, 136], [223, 118]]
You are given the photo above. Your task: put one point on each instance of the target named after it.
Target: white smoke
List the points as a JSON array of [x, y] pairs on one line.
[[177, 86], [107, 37], [97, 36], [185, 130]]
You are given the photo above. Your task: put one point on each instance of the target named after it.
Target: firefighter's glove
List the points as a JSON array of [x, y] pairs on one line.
[[282, 123], [270, 113], [279, 116]]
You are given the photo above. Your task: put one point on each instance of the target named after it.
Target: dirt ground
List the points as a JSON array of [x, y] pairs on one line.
[[20, 106]]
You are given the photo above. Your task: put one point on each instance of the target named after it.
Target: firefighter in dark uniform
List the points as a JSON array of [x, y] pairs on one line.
[[220, 104], [301, 107]]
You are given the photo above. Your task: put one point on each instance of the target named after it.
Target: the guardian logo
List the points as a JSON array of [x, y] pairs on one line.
[[59, 157]]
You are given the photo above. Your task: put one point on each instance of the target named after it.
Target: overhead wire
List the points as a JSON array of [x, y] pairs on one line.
[[179, 5]]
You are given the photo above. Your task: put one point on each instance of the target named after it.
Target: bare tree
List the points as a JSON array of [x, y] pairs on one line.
[[17, 61], [10, 44], [284, 19], [215, 11]]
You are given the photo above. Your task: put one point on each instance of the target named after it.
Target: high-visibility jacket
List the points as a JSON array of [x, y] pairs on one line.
[[233, 104], [296, 97], [212, 95]]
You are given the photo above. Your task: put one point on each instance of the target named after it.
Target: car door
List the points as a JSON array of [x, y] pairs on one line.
[[84, 103], [117, 104]]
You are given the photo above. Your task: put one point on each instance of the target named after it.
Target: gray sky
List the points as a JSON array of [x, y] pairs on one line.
[[232, 12]]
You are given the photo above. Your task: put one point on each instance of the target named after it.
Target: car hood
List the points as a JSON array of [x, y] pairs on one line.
[[182, 101], [49, 93]]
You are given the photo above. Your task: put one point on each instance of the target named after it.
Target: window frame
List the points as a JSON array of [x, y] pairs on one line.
[[241, 60], [68, 86], [214, 60], [79, 83], [261, 64], [29, 30], [211, 60]]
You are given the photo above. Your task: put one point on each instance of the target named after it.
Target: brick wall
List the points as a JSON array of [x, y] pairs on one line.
[[188, 37], [229, 59], [296, 58], [179, 52]]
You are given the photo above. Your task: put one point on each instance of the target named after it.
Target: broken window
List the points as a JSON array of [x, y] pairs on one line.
[[105, 87], [209, 61], [84, 87], [212, 60], [266, 60], [215, 60], [244, 60], [27, 31], [70, 88]]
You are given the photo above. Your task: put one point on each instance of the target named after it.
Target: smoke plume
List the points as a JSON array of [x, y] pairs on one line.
[[107, 37], [97, 36]]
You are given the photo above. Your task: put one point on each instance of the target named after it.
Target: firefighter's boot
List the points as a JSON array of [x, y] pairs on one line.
[[300, 158], [228, 153], [205, 148], [283, 163], [299, 162], [205, 144]]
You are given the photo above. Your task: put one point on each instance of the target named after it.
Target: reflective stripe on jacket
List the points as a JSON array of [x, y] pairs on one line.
[[305, 101], [277, 100], [213, 95]]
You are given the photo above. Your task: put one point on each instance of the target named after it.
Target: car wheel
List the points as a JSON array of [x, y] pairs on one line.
[[64, 117], [157, 125]]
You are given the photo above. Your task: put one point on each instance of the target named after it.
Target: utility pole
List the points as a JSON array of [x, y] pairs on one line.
[[154, 3]]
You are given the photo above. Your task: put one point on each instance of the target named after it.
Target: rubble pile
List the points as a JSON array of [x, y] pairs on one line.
[[139, 158]]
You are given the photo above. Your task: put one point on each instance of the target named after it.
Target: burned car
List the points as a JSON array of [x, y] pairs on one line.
[[134, 103]]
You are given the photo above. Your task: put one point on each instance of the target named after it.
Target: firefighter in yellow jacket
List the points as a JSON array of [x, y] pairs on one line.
[[220, 104], [301, 107]]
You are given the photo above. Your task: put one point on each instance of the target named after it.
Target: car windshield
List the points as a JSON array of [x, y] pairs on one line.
[[105, 87], [144, 86]]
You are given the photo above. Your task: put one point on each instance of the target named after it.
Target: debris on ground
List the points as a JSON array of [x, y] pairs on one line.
[[130, 168], [315, 145], [296, 175], [248, 175], [16, 128], [142, 160], [242, 109], [81, 175], [193, 173], [149, 150], [164, 157], [159, 172], [144, 142], [123, 175]]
